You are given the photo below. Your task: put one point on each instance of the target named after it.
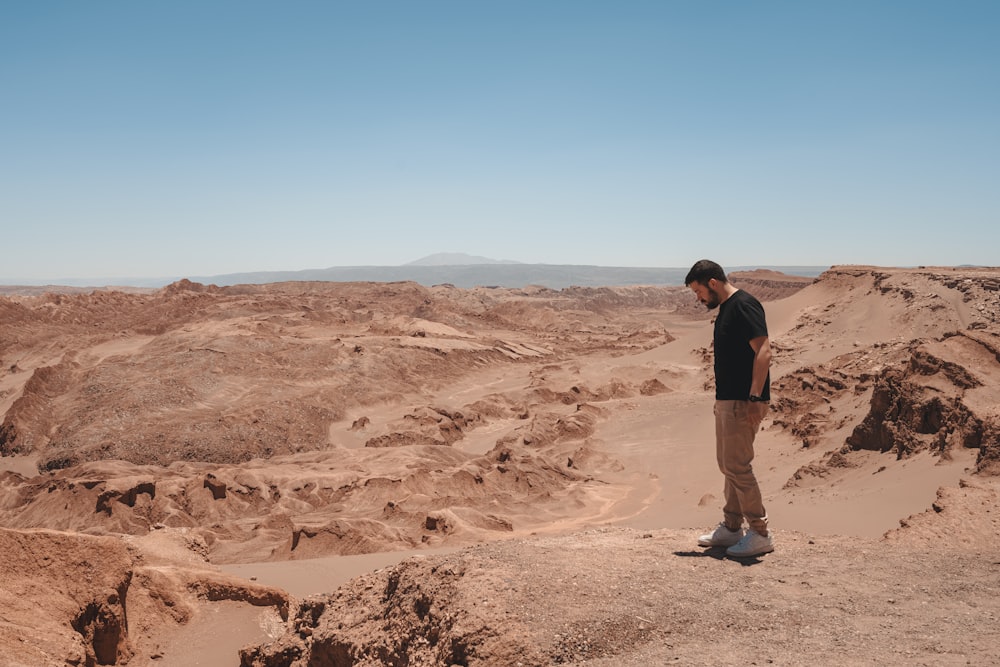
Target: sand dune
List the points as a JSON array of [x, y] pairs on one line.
[[221, 447]]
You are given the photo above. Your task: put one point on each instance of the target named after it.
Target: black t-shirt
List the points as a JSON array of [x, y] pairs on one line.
[[741, 319]]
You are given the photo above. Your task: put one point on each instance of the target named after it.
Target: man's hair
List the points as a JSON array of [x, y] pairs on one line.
[[703, 271]]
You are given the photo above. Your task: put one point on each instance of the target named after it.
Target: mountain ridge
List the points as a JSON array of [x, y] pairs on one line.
[[458, 269]]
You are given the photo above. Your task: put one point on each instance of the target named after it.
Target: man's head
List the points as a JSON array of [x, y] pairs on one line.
[[708, 282]]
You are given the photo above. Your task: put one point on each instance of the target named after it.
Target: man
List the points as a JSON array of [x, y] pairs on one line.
[[742, 392]]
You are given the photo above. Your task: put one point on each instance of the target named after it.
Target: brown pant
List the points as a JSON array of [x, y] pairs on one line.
[[736, 425]]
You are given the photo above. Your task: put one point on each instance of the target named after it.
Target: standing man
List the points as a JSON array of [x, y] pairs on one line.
[[742, 392]]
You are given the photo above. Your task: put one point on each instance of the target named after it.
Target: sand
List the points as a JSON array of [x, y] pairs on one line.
[[261, 447]]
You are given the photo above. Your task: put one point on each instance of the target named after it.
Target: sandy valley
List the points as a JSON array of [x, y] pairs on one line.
[[345, 474]]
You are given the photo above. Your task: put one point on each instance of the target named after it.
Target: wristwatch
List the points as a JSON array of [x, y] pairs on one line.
[[754, 398]]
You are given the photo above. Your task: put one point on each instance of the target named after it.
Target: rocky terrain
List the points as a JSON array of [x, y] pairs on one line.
[[558, 438], [657, 601]]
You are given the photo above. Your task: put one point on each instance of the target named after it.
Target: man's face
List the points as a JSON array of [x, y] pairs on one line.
[[706, 293]]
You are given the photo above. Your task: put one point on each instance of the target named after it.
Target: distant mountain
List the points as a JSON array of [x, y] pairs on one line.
[[458, 269], [554, 276], [456, 259]]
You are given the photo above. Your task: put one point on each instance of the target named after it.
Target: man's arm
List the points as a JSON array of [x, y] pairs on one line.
[[761, 363]]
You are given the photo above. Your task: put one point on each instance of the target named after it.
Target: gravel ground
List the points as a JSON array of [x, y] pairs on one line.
[[629, 598]]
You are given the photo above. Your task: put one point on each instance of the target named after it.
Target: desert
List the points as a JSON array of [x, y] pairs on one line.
[[387, 473]]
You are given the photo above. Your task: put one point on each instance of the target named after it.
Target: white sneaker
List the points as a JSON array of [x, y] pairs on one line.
[[721, 537], [752, 544]]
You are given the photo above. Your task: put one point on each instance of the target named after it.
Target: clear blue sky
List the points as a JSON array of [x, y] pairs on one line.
[[182, 138]]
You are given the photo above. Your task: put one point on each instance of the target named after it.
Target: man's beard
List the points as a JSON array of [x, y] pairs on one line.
[[713, 300]]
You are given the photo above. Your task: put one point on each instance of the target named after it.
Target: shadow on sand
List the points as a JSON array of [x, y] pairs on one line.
[[719, 553]]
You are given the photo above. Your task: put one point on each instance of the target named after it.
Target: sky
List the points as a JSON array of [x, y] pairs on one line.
[[209, 137]]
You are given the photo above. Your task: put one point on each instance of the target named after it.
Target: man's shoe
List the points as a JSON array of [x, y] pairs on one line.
[[752, 544], [721, 537]]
